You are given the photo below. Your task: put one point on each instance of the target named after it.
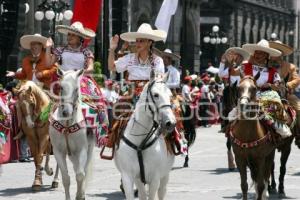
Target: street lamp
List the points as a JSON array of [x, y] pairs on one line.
[[215, 39], [55, 10]]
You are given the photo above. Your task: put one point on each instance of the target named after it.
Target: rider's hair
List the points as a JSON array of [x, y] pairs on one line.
[[151, 59]]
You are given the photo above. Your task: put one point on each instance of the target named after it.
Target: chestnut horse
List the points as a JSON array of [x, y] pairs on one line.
[[251, 141], [32, 102]]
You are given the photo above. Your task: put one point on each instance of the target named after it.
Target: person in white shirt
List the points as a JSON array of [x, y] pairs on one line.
[[267, 81], [111, 97], [169, 57], [139, 64]]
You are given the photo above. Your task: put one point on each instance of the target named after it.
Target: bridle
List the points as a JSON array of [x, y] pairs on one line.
[[146, 143]]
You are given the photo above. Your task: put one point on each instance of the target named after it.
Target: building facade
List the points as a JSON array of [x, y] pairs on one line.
[[248, 21]]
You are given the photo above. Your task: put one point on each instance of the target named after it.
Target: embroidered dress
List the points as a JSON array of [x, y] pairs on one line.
[[92, 102]]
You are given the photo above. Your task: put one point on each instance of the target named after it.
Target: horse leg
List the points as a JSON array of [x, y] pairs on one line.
[[283, 160], [141, 189], [272, 187], [56, 178], [34, 148], [153, 188], [128, 186], [243, 173], [186, 161], [163, 187], [62, 163], [230, 156], [79, 164]]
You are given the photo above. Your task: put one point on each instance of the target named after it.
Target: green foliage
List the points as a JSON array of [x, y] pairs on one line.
[[98, 76]]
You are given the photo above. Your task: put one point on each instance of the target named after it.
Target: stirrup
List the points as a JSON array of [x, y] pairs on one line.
[[106, 157]]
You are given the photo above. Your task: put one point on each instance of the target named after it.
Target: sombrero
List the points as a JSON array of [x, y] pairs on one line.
[[285, 49], [77, 29], [167, 53], [262, 45], [145, 31], [239, 51], [26, 40]]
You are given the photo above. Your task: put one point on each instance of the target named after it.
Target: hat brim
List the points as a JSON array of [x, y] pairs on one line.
[[173, 56], [251, 48], [26, 40], [88, 33], [132, 36], [285, 49], [240, 51]]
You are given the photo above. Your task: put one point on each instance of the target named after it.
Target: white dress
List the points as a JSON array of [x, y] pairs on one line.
[[137, 70]]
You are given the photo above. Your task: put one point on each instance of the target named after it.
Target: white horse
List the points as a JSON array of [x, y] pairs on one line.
[[142, 156], [69, 136]]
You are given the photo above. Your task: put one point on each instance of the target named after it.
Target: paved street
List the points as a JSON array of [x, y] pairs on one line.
[[206, 178]]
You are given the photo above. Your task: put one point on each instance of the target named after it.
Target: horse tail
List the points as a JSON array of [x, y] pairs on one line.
[[253, 169]]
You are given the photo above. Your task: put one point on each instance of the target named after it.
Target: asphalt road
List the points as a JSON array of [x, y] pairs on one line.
[[206, 178]]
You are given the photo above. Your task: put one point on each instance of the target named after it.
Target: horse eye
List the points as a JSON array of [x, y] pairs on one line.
[[156, 95]]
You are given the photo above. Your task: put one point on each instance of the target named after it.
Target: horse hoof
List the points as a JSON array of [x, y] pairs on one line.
[[54, 184], [36, 188], [186, 164], [136, 193], [122, 188]]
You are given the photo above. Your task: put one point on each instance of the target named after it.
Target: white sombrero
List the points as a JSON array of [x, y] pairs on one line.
[[240, 51], [262, 45], [77, 29], [26, 40], [285, 49], [167, 53], [145, 31]]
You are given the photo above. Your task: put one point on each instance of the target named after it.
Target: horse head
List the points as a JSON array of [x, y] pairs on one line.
[[31, 101], [247, 94], [69, 86], [158, 101]]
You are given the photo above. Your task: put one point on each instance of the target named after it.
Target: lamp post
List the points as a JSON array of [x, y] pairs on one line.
[[55, 10], [215, 39]]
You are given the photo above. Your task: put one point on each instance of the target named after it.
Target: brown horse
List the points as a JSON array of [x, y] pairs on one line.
[[285, 145], [32, 102], [251, 141]]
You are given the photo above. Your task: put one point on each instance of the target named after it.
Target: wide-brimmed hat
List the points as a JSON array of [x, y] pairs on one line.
[[76, 28], [239, 51], [167, 53], [26, 40], [284, 48], [145, 31], [262, 45]]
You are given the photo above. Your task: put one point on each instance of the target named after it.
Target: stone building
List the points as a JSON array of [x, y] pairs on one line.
[[247, 21]]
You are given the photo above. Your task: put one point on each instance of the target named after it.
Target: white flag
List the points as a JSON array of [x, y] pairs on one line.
[[164, 16]]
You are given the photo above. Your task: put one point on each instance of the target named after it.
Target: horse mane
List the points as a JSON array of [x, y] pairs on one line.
[[36, 90]]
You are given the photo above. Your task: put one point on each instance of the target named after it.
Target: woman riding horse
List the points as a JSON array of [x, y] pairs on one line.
[[80, 115], [268, 80], [232, 58]]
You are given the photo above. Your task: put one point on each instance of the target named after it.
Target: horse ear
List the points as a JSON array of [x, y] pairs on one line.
[[235, 83], [152, 75], [166, 77], [286, 79], [242, 75], [256, 77], [60, 72], [29, 90], [79, 72]]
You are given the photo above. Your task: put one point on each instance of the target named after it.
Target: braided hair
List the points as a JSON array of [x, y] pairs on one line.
[[151, 58]]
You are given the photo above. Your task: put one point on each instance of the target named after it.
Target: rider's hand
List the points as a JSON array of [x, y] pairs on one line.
[[49, 42], [39, 75], [10, 74], [114, 42], [266, 85]]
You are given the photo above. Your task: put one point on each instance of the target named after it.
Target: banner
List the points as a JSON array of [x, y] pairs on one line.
[[87, 12], [167, 10]]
